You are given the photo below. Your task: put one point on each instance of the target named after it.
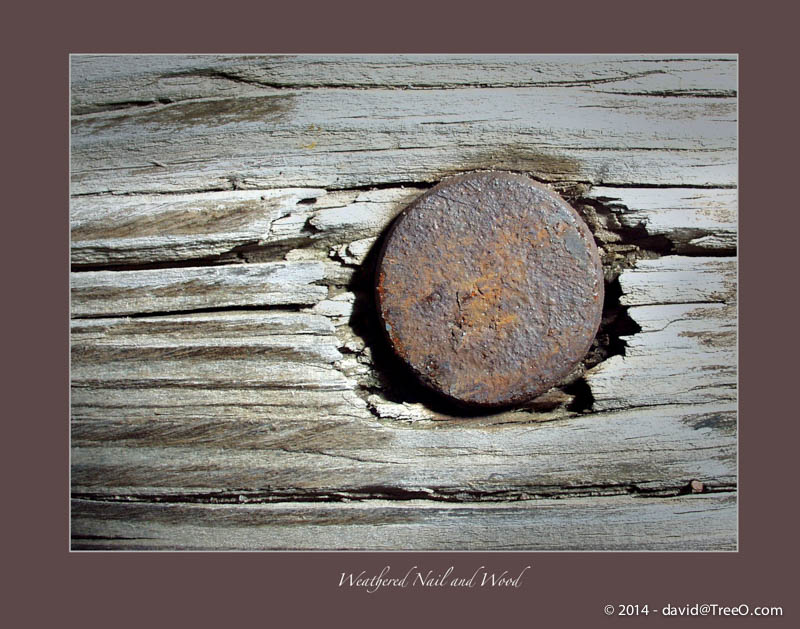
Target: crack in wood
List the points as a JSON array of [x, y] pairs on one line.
[[645, 490]]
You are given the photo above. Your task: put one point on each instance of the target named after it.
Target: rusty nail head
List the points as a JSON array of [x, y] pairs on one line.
[[490, 288]]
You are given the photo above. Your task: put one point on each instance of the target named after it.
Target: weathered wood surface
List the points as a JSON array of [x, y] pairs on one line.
[[699, 522], [694, 220], [229, 387], [100, 82], [686, 349], [151, 228], [263, 134]]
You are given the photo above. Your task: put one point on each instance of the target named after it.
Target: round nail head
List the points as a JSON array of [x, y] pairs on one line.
[[490, 288]]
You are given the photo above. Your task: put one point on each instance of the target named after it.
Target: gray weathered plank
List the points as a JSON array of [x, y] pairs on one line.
[[220, 366], [685, 351], [112, 293], [262, 393], [286, 454], [146, 229], [101, 81], [694, 220], [340, 138], [698, 522], [142, 229], [262, 183]]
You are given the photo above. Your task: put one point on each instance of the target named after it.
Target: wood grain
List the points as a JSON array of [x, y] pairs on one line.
[[226, 226], [229, 388], [102, 82], [694, 220], [687, 523], [686, 309], [97, 293], [338, 137]]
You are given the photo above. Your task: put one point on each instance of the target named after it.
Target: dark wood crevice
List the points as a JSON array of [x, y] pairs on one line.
[[650, 489]]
